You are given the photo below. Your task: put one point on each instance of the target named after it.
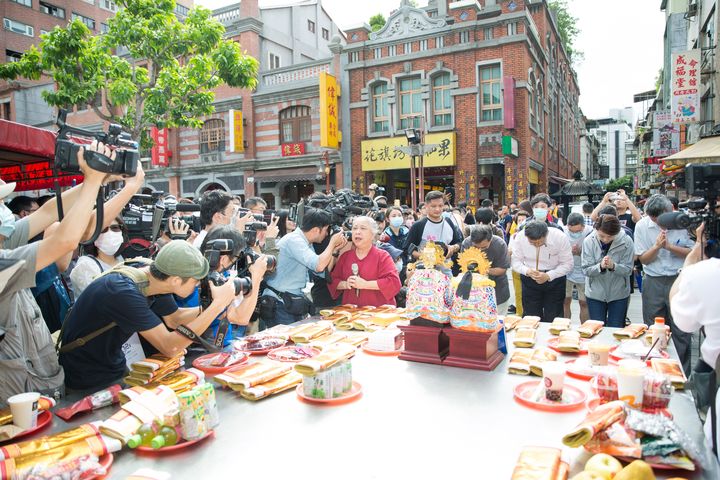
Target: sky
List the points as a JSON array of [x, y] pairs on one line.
[[622, 41]]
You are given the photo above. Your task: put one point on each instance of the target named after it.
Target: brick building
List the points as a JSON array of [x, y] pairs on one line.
[[490, 84]]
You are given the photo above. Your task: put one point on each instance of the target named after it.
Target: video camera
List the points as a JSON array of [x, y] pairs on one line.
[[341, 205], [700, 181], [146, 217], [126, 150]]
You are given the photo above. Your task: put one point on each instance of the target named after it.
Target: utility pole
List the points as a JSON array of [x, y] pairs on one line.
[[416, 149]]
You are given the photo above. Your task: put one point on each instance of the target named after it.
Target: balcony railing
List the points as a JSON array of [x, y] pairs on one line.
[[227, 15], [282, 76]]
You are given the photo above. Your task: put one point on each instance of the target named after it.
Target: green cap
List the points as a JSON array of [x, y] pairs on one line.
[[183, 260]]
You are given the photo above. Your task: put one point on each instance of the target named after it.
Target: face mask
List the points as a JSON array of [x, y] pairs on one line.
[[575, 235], [109, 243], [7, 221], [540, 213], [395, 222]]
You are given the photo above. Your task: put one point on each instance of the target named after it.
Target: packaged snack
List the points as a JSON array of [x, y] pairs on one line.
[[607, 388], [559, 325], [590, 328], [192, 415], [524, 337], [657, 390], [212, 418]]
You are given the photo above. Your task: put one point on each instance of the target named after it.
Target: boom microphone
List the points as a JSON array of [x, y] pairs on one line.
[[674, 221], [187, 207]]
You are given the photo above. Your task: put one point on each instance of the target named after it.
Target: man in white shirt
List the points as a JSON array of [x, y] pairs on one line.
[[217, 208], [543, 258], [662, 253]]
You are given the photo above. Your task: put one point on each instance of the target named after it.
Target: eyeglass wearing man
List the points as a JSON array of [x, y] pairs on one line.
[[219, 208]]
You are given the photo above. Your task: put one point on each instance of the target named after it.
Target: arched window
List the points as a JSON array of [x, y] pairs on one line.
[[212, 136], [295, 125], [380, 110], [442, 108]]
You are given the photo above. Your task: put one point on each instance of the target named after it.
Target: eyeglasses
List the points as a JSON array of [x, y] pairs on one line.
[[114, 228]]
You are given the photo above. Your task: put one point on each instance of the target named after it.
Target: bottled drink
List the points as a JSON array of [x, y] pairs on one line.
[[661, 331], [143, 436], [166, 437]]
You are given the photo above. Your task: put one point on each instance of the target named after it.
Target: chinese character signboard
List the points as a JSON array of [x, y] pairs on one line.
[[666, 134], [159, 155], [381, 155], [685, 86], [292, 149], [236, 131], [328, 111]]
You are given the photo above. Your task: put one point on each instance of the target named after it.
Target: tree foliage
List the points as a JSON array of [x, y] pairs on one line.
[[567, 28], [377, 22], [625, 183], [166, 77]]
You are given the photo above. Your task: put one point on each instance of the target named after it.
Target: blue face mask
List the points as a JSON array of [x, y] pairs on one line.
[[7, 221], [540, 213], [396, 222], [575, 235]]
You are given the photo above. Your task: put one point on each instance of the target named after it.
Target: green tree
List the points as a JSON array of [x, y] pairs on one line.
[[567, 28], [625, 183], [377, 22], [165, 79]]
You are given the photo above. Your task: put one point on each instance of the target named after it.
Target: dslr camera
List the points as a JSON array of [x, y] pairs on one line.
[[66, 149], [214, 249]]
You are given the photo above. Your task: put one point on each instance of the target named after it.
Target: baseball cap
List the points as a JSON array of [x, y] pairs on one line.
[[183, 260], [6, 189]]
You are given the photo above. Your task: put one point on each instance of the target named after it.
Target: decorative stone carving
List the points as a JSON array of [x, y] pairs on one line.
[[407, 21]]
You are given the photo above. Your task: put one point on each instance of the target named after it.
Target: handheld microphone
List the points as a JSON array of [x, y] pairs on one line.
[[355, 270]]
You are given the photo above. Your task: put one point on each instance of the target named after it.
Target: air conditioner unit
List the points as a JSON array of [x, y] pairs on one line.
[[692, 9]]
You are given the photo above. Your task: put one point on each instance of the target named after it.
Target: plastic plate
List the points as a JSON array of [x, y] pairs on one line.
[[354, 393], [286, 354], [203, 363], [105, 461], [278, 342], [174, 448], [578, 371], [573, 398], [380, 353], [617, 357], [553, 344], [43, 420]]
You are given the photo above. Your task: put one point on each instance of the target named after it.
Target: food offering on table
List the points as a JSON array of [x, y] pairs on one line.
[[63, 455], [252, 374], [606, 384], [657, 390], [355, 338], [510, 322], [567, 342], [271, 387], [554, 380], [260, 343], [474, 306], [389, 340], [630, 378], [590, 328], [153, 369], [559, 325], [25, 415], [582, 368], [635, 349], [429, 293], [525, 337], [329, 357], [529, 321], [328, 339], [551, 393], [192, 417], [214, 363], [541, 463], [672, 369], [615, 429], [599, 353], [602, 466], [526, 361], [335, 382], [634, 330], [97, 400], [309, 331], [8, 430], [177, 382], [368, 318], [144, 407], [293, 353], [659, 331]]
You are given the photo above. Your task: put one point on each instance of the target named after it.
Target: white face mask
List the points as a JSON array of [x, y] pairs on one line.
[[109, 242]]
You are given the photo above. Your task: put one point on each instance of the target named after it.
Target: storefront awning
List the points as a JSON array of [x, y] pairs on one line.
[[289, 174], [707, 150]]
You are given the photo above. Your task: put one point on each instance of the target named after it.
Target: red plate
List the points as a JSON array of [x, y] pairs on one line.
[[203, 363], [573, 398], [174, 448], [580, 375], [43, 420], [380, 353], [105, 462], [284, 354], [354, 393], [553, 344], [617, 358], [280, 342]]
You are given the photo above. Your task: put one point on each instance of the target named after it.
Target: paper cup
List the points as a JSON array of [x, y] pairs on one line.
[[598, 353], [554, 380], [24, 409], [630, 377]]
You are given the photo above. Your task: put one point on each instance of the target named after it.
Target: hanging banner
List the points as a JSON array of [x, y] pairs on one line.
[[328, 111], [666, 134], [685, 86], [380, 154], [236, 131], [159, 154]]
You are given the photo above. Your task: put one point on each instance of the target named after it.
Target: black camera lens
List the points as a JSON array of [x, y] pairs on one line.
[[242, 285], [271, 263], [348, 235]]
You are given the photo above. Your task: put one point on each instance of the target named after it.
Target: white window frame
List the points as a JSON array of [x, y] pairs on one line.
[[24, 3], [512, 28], [407, 48], [382, 97], [311, 26], [478, 67], [12, 56], [392, 50], [273, 61], [464, 36], [448, 110], [488, 33], [378, 52], [49, 6], [439, 41], [354, 57], [108, 5], [104, 27], [325, 33], [18, 27], [423, 45], [412, 92], [84, 20]]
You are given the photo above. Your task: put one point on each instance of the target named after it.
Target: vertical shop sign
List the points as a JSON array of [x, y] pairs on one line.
[[685, 86], [328, 111]]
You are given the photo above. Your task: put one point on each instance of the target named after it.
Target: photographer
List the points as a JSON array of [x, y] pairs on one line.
[[100, 256], [627, 212], [29, 361], [283, 301], [241, 309], [218, 208], [136, 298]]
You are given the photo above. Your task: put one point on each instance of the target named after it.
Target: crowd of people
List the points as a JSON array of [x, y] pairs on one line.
[[103, 307]]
